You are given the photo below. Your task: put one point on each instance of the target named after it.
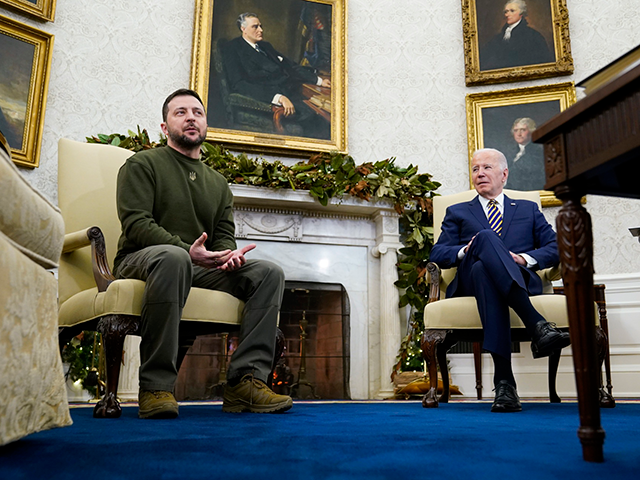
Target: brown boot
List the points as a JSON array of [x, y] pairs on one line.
[[252, 395], [157, 404]]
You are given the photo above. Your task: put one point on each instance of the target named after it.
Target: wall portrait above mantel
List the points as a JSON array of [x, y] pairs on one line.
[[508, 41], [275, 80], [42, 9]]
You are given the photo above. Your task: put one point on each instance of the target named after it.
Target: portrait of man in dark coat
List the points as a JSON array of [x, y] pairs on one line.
[[517, 44]]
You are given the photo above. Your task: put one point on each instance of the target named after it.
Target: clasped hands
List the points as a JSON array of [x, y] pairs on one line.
[[225, 260], [519, 259]]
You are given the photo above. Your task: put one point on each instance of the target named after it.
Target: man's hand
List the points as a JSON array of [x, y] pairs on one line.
[[469, 244], [204, 258], [519, 259], [236, 260], [289, 109], [326, 83]]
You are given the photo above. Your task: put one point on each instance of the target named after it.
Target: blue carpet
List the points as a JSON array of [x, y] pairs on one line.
[[330, 441]]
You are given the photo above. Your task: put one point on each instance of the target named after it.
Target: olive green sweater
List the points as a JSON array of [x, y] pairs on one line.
[[164, 197]]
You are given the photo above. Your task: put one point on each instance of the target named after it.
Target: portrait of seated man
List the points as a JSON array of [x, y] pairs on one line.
[[517, 44], [526, 159], [256, 69]]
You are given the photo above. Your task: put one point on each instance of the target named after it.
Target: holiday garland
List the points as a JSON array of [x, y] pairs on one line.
[[333, 175]]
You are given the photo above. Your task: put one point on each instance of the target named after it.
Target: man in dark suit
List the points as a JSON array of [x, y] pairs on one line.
[[255, 69], [526, 160], [517, 44], [498, 243]]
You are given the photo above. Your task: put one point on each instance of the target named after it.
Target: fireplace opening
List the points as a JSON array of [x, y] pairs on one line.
[[315, 321]]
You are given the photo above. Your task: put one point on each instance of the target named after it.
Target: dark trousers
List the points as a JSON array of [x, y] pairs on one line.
[[489, 273], [169, 275]]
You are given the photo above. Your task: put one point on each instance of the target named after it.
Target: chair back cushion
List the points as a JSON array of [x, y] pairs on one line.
[[87, 174]]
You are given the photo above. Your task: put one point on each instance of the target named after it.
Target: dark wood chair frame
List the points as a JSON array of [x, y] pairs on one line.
[[437, 342], [114, 329]]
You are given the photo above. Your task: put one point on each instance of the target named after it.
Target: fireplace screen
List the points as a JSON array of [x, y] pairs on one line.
[[315, 321]]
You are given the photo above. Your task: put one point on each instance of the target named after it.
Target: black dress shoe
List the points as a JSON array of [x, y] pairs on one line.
[[547, 339], [507, 399]]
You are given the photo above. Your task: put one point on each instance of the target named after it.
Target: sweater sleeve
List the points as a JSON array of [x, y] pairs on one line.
[[223, 237], [135, 197]]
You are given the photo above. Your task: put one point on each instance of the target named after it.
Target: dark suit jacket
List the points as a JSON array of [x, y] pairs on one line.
[[524, 230], [528, 172], [525, 47], [263, 76]]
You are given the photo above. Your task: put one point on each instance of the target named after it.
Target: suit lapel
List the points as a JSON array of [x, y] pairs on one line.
[[476, 209], [510, 207]]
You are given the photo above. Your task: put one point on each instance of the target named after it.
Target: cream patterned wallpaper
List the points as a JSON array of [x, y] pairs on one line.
[[114, 62]]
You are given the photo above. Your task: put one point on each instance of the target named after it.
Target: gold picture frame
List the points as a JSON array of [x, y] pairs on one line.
[[539, 45], [493, 119], [25, 54], [312, 30], [43, 9]]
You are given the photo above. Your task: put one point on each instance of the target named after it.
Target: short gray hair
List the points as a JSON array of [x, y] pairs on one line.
[[497, 154], [242, 19], [529, 122], [522, 6]]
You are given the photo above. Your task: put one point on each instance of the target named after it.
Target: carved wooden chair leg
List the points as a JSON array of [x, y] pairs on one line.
[[606, 399], [114, 329], [430, 341], [554, 361], [441, 355], [477, 363]]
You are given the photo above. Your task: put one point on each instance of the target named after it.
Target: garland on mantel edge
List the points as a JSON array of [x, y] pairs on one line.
[[332, 175]]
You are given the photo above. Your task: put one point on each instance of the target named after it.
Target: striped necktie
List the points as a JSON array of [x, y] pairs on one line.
[[495, 217]]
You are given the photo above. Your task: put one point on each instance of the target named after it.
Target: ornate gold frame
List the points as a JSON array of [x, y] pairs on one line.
[[564, 93], [29, 154], [247, 140], [562, 66], [44, 9]]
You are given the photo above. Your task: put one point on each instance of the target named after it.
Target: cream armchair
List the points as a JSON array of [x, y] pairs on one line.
[[90, 297], [450, 320], [33, 395]]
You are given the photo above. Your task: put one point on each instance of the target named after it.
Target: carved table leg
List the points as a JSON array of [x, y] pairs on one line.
[[575, 244], [114, 329]]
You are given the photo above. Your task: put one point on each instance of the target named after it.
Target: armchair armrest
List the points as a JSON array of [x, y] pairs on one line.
[[434, 278], [92, 236]]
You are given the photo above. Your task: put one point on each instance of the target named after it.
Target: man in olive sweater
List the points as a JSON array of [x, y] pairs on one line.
[[178, 232]]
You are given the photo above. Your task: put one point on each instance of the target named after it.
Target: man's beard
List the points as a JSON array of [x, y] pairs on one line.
[[183, 141]]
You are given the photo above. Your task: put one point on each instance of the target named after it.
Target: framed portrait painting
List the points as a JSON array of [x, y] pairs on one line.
[[514, 40], [43, 9], [25, 61], [272, 73], [505, 119]]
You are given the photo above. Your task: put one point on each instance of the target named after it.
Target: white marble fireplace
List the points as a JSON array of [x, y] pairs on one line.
[[350, 242]]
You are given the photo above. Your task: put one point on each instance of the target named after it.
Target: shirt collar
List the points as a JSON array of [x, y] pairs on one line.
[[485, 201], [253, 45], [511, 27]]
